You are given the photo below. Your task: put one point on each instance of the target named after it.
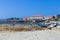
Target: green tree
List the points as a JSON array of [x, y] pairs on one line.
[[54, 18], [58, 17]]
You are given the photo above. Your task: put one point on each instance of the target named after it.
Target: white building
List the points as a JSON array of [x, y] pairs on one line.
[[47, 17], [37, 16]]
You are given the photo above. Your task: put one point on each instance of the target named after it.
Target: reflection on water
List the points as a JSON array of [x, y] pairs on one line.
[[18, 22], [10, 22]]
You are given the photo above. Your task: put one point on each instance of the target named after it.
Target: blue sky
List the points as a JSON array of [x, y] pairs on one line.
[[21, 8]]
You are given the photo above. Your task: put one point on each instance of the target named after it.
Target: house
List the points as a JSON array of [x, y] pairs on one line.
[[34, 17], [47, 17]]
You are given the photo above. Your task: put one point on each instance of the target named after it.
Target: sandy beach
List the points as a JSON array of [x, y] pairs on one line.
[[31, 35]]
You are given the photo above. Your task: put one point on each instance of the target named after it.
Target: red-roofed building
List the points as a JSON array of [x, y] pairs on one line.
[[48, 17], [37, 16]]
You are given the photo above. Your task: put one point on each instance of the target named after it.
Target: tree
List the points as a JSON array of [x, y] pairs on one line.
[[58, 17], [54, 18]]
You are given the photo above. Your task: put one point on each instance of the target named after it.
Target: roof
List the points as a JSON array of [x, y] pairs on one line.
[[48, 16], [36, 15]]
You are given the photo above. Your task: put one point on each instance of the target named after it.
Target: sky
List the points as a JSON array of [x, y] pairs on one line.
[[22, 8]]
